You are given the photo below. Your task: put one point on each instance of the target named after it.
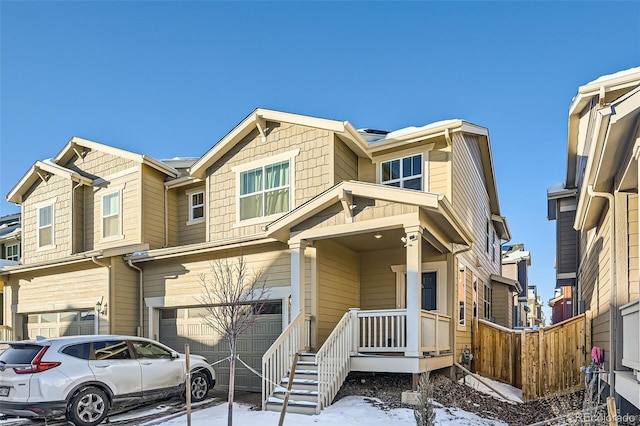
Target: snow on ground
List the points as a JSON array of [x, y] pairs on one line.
[[349, 411], [514, 395]]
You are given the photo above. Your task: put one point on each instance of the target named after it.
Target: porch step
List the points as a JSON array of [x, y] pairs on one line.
[[297, 394], [293, 405], [306, 373], [300, 384]]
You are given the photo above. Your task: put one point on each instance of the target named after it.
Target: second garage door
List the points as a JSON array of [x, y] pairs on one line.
[[185, 325]]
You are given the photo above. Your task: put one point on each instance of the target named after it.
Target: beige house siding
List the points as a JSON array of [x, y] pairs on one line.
[[502, 305], [632, 229], [99, 164], [366, 170], [172, 215], [189, 233], [378, 281], [345, 162], [312, 173], [440, 170], [338, 285], [125, 296], [58, 189], [463, 333], [153, 208]]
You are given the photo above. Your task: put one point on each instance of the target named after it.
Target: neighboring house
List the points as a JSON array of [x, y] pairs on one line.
[[383, 244], [515, 265], [602, 171], [535, 316], [9, 252], [561, 304], [561, 207]]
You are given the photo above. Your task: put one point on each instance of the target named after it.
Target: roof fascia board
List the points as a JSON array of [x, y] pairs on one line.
[[182, 181], [15, 195]]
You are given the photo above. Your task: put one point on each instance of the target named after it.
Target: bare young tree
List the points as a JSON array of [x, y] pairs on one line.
[[232, 296]]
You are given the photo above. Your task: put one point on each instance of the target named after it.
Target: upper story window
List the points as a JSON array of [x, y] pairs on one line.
[[196, 206], [13, 252], [403, 172], [45, 226], [264, 191], [111, 215]]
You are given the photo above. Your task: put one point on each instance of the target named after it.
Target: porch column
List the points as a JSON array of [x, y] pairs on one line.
[[413, 246], [297, 277]]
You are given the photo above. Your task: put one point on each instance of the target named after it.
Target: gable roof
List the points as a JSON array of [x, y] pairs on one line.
[[434, 203], [42, 170], [260, 116], [75, 146]]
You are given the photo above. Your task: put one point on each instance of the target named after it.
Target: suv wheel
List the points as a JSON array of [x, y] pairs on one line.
[[199, 386], [88, 407]]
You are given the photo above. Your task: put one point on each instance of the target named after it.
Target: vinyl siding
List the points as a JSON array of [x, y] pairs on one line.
[[463, 334], [189, 233], [595, 273], [633, 246], [567, 243], [338, 285], [125, 299], [502, 305], [173, 196], [378, 288], [312, 173], [345, 162], [56, 188], [440, 170], [153, 207]]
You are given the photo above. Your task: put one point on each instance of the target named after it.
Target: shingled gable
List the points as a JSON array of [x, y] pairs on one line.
[[258, 120], [76, 147], [435, 204]]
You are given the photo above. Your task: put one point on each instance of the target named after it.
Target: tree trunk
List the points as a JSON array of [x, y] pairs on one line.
[[232, 375]]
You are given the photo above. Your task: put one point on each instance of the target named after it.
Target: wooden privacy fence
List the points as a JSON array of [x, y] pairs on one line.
[[541, 362]]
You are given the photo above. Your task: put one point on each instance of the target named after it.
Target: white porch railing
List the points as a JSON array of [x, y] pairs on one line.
[[435, 332], [383, 330], [630, 335], [276, 362], [333, 360]]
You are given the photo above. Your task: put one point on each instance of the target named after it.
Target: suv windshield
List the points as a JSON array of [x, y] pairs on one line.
[[20, 353]]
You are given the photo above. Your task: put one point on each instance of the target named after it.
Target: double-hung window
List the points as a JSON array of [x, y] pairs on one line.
[[45, 226], [265, 190], [111, 215], [196, 206], [13, 252], [406, 172]]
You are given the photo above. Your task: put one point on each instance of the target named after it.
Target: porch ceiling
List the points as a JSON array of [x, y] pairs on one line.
[[390, 239]]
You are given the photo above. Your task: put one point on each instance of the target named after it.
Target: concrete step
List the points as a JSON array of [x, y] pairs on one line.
[[296, 394], [293, 406], [300, 384]]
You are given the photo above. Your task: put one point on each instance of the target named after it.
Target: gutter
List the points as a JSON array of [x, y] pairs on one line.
[[614, 297]]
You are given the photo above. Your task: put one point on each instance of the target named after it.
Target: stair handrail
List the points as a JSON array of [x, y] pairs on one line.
[[333, 359], [277, 359]]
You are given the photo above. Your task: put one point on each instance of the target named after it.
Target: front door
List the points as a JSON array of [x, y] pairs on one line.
[[428, 293]]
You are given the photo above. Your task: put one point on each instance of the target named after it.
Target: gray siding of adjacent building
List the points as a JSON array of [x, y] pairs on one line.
[[567, 243]]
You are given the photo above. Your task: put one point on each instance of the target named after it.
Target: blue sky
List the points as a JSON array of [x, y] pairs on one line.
[[170, 79]]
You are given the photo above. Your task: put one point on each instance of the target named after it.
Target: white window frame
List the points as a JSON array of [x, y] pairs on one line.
[[119, 235], [190, 194], [421, 150], [15, 257], [402, 179], [487, 301], [262, 163], [442, 292], [43, 205], [462, 305]]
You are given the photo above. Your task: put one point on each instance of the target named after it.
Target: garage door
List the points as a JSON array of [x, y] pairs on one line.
[[185, 325], [56, 324]]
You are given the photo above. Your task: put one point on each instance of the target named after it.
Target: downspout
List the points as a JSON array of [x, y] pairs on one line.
[[94, 259], [73, 216], [141, 296], [614, 297]]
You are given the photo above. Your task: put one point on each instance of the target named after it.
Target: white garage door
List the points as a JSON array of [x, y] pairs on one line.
[[185, 325], [56, 324]]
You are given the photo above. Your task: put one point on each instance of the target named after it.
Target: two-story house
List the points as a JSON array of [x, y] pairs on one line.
[[378, 247], [601, 192]]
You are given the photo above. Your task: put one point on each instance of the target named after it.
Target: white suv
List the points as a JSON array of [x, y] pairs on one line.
[[82, 377]]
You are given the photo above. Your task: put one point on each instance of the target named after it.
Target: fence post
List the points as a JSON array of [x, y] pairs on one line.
[[355, 326]]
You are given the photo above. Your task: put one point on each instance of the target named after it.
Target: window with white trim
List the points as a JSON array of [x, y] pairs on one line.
[[487, 301], [111, 215], [196, 206], [45, 226], [264, 191], [462, 296], [13, 252], [403, 172]]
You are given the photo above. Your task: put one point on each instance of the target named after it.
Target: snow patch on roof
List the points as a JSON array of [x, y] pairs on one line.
[[412, 129], [615, 75], [558, 187]]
